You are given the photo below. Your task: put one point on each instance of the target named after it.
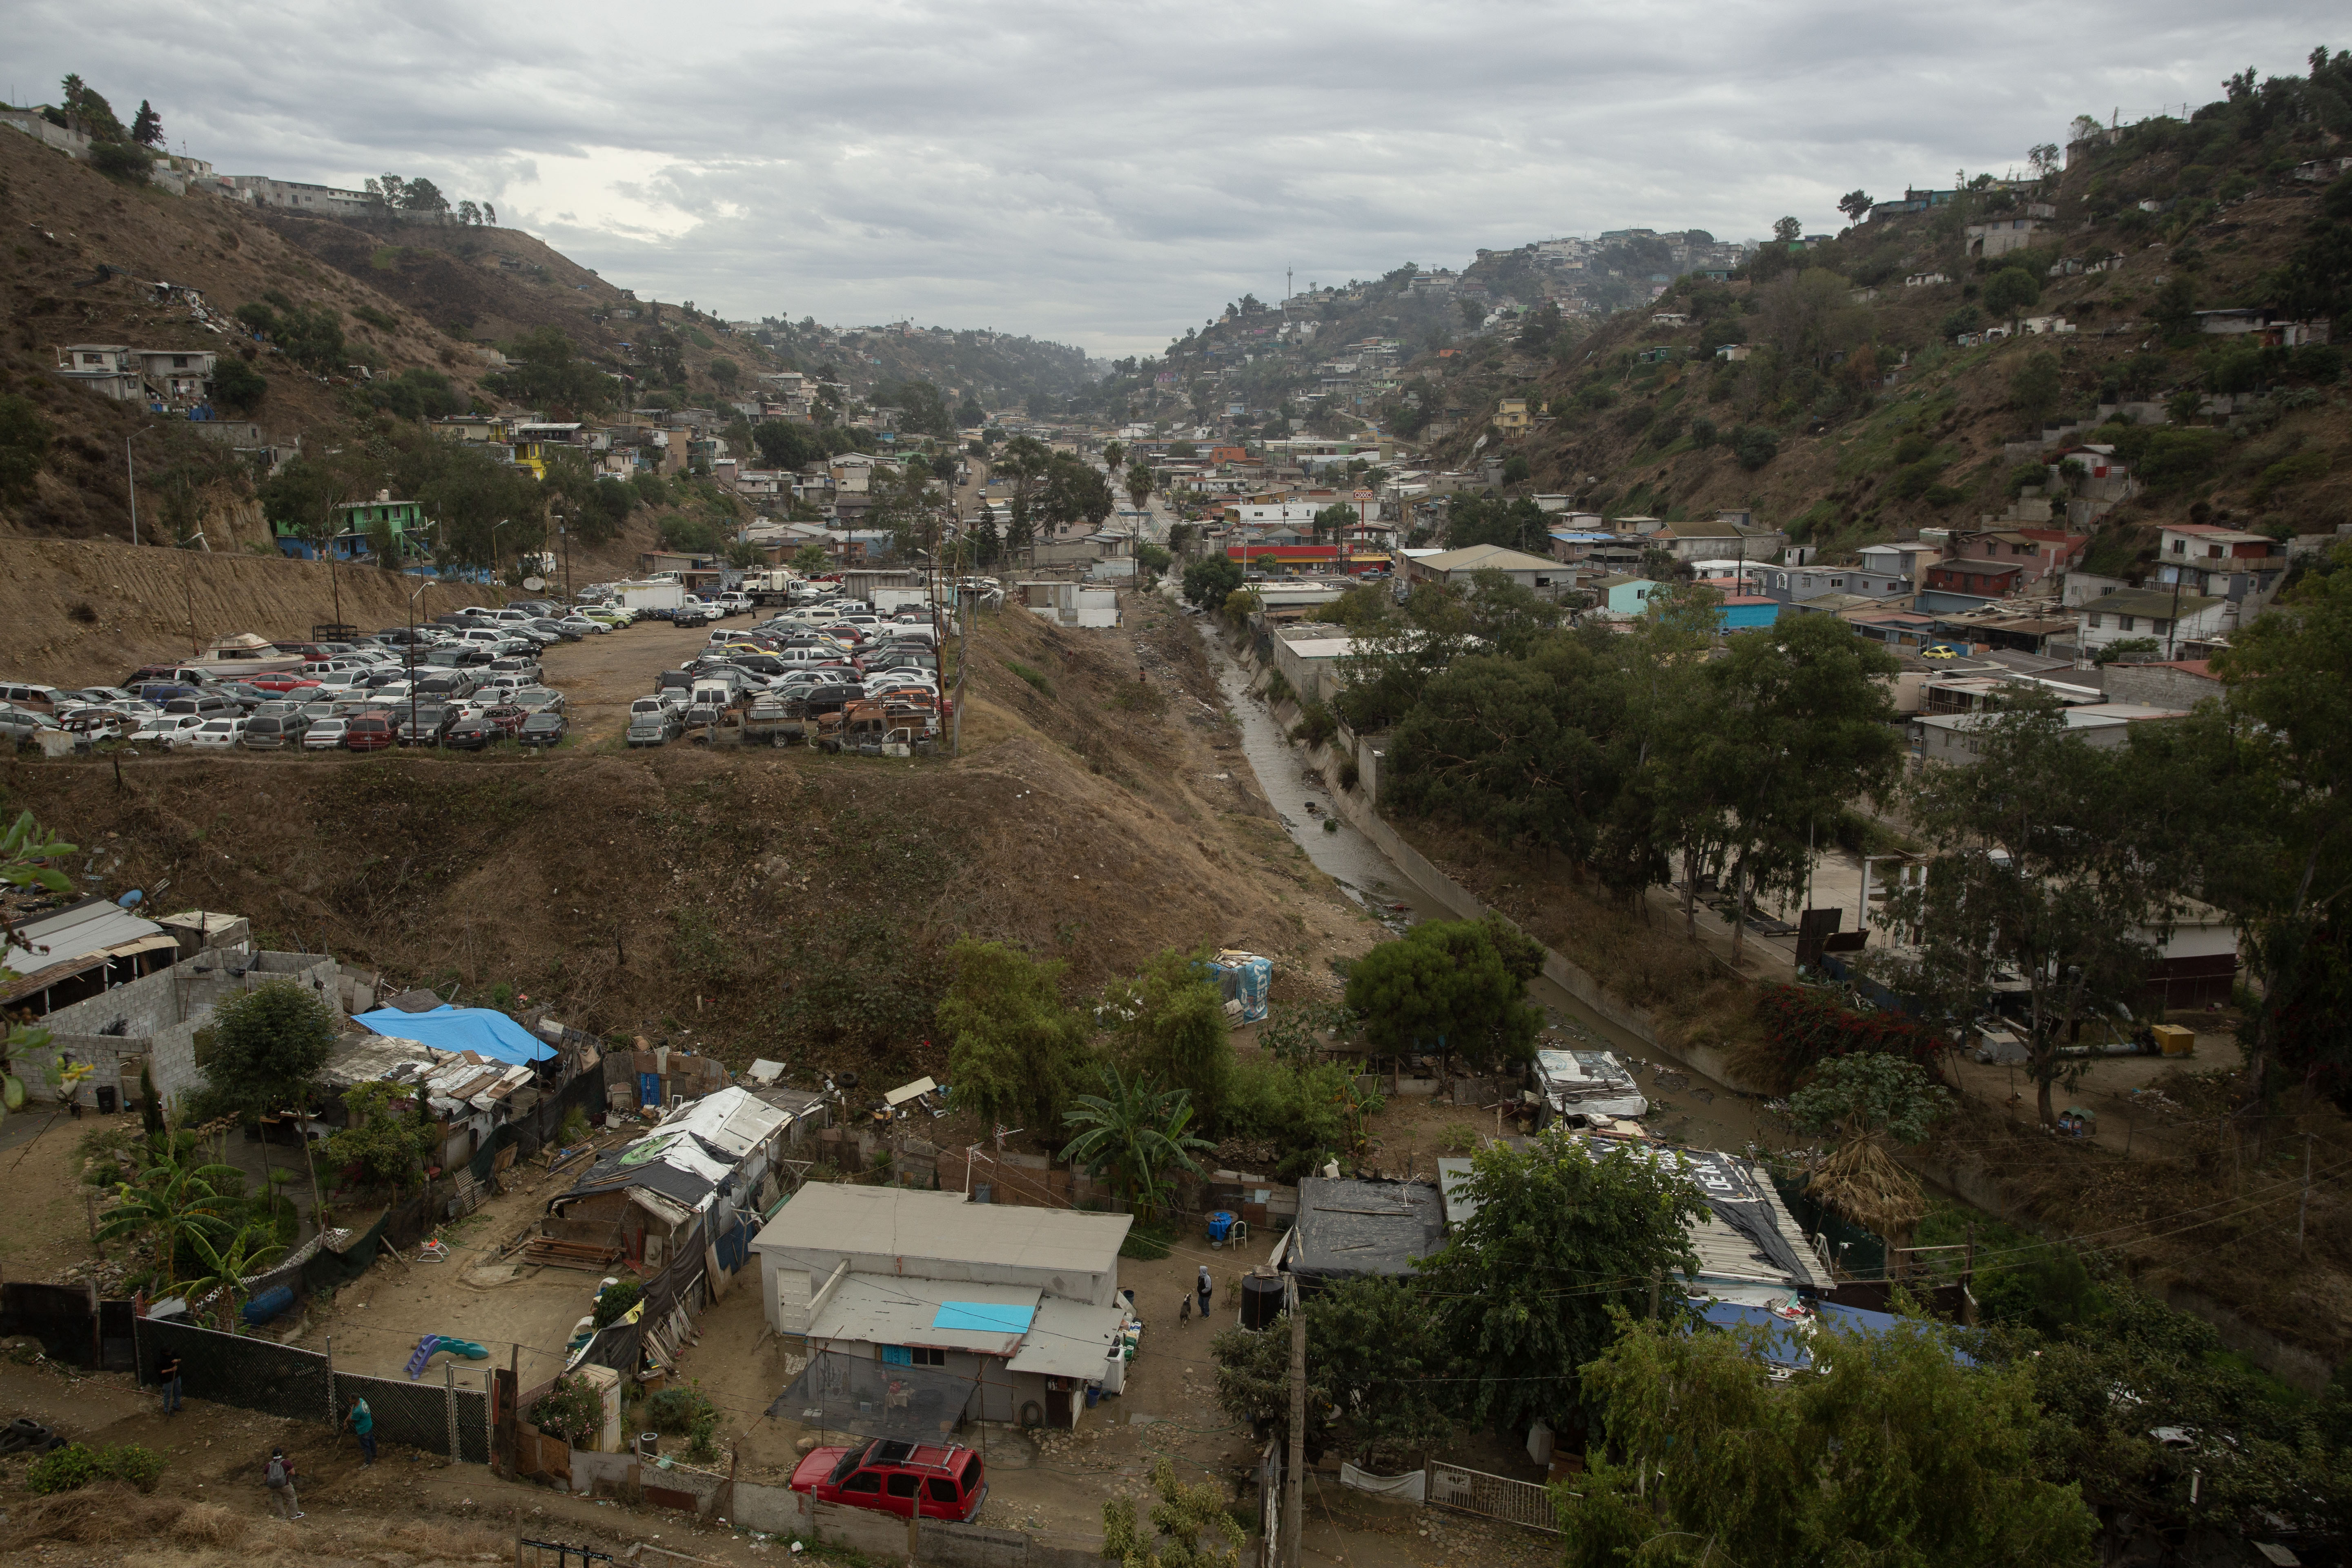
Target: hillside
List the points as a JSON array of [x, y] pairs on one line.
[[1862, 410], [995, 370]]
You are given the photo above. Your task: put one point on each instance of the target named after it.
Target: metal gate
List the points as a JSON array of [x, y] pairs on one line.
[[1523, 1503]]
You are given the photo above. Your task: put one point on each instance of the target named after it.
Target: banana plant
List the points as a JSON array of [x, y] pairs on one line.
[[227, 1267], [170, 1201]]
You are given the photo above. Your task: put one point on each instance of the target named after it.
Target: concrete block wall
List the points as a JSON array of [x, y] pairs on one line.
[[159, 1016]]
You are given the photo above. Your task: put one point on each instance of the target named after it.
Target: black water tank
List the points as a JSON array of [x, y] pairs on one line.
[[1261, 1300]]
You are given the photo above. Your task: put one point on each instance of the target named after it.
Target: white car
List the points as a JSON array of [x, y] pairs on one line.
[[581, 626], [165, 729], [326, 735], [216, 734]]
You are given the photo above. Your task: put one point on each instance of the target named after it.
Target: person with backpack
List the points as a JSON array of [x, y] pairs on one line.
[[362, 1420], [279, 1477]]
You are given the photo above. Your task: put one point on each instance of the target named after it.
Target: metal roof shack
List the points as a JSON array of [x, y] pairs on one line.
[[941, 1236]]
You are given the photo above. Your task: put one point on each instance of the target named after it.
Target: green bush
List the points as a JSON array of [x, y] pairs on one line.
[[1317, 724], [615, 1301], [2010, 290], [1148, 1241], [121, 161], [238, 386], [570, 1410], [2180, 457], [2297, 470], [1754, 445], [74, 1465], [1044, 686], [676, 1412]]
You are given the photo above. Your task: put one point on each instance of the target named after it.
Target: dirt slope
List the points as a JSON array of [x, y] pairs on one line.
[[762, 903], [80, 612]]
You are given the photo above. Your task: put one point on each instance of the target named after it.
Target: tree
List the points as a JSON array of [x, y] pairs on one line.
[[2274, 760], [1016, 1050], [87, 111], [1378, 1374], [1333, 521], [1786, 229], [548, 374], [1866, 1100], [269, 1043], [387, 1138], [725, 374], [238, 386], [147, 126], [1208, 583], [1562, 1231], [225, 1266], [1027, 462], [1855, 205], [1135, 1136], [1450, 986], [424, 197], [811, 559], [1172, 1017], [2044, 159], [2012, 289], [2044, 868], [1799, 723], [2034, 388], [1140, 482], [1887, 1450]]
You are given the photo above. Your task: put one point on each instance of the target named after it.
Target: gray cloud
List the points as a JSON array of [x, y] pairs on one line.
[[1110, 175]]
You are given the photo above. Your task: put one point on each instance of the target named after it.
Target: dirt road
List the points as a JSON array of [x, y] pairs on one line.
[[601, 676]]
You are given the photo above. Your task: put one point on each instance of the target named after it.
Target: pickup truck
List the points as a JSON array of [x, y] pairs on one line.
[[937, 1480]]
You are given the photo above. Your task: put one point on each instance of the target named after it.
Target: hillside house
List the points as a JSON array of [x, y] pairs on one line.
[[716, 1156], [1511, 415], [1788, 585], [2222, 561], [1533, 572], [1985, 579], [1625, 597], [1019, 1306], [178, 375], [2000, 236], [2169, 616], [2039, 554], [358, 525]]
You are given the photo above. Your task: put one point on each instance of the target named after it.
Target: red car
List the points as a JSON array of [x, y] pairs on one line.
[[940, 1480], [367, 732], [280, 683]]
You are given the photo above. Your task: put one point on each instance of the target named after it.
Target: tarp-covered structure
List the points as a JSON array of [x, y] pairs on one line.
[[482, 1030], [1244, 978], [1347, 1228]]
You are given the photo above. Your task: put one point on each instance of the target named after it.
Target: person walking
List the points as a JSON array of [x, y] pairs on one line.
[[1203, 1287], [362, 1421], [279, 1477], [168, 1374]]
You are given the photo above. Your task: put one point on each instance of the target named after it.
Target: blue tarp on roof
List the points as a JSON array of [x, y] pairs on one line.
[[480, 1029], [986, 1317]]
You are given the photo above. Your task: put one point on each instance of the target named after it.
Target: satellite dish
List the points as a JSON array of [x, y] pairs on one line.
[[534, 584]]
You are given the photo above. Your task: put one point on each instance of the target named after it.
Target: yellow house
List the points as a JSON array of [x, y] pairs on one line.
[[1511, 413]]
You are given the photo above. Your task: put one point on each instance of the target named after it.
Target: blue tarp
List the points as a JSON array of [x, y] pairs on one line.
[[1246, 978], [481, 1029], [986, 1317]]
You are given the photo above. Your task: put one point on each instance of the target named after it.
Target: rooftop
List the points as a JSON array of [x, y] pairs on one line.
[[916, 1227]]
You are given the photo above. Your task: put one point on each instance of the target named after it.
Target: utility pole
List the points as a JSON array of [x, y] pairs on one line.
[[1294, 1473]]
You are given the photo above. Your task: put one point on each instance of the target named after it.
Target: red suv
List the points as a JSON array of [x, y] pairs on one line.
[[367, 732], [940, 1480]]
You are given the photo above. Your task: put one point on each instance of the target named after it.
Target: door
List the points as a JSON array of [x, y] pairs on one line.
[[1057, 1405], [901, 1491]]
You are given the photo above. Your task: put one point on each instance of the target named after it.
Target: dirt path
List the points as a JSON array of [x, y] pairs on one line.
[[601, 676]]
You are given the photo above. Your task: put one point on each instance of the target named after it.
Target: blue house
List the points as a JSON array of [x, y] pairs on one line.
[[1625, 595], [1746, 612]]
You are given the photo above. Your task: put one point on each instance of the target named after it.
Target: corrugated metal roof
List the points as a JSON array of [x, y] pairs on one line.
[[1068, 1338], [88, 927], [900, 1309], [943, 1227]]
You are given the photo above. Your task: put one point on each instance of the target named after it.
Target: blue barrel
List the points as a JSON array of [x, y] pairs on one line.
[[269, 1304]]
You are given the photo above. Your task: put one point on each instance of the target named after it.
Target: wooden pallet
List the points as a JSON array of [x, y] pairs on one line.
[[594, 1256]]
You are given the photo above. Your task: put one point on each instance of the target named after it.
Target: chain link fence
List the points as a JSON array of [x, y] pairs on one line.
[[230, 1369], [418, 1415]]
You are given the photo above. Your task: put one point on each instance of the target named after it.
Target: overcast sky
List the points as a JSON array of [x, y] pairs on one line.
[[1108, 175]]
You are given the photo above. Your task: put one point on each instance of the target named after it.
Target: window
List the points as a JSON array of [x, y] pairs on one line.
[[905, 1485], [2180, 547], [864, 1481], [2213, 551], [2123, 623], [941, 1489], [2098, 622], [917, 1356]]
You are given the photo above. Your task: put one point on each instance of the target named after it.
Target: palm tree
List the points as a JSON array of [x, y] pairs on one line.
[[1134, 1136], [171, 1201]]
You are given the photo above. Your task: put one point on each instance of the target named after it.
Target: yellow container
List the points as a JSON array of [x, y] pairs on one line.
[[2174, 1040]]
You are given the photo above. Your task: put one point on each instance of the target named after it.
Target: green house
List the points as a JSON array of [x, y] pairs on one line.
[[356, 522]]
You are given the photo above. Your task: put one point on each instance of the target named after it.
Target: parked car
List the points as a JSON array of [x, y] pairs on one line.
[[936, 1481], [539, 699], [686, 615], [475, 733], [167, 730], [423, 725], [657, 728], [20, 725], [216, 734], [370, 732], [326, 735], [206, 706], [276, 732], [544, 729]]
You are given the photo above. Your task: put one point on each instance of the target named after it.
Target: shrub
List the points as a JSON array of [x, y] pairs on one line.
[[1754, 445], [75, 1466], [615, 1301], [1317, 724], [1348, 773], [238, 386], [2012, 289], [2180, 457], [2298, 469], [1701, 432], [676, 1412], [1044, 686], [1803, 1027], [121, 161], [570, 1410], [1967, 319]]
